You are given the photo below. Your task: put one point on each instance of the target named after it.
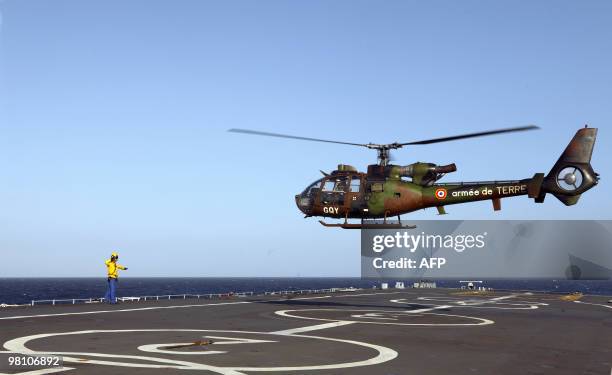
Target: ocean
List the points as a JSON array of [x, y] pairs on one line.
[[24, 290]]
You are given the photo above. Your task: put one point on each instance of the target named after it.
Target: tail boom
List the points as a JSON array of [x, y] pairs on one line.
[[571, 176]]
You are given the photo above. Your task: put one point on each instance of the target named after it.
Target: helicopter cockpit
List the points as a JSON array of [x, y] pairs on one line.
[[305, 200], [330, 190], [333, 189]]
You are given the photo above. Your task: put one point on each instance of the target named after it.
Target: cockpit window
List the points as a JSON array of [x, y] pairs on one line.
[[329, 185], [355, 183], [340, 185], [314, 185], [336, 185]]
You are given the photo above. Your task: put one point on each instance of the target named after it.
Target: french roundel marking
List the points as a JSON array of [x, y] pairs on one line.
[[440, 193]]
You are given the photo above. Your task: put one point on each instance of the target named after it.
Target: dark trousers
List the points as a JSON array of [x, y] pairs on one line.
[[110, 292]]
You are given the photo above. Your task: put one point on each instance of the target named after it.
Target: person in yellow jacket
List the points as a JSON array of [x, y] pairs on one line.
[[112, 269]]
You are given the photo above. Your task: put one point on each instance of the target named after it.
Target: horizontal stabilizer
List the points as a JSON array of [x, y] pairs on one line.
[[568, 200]]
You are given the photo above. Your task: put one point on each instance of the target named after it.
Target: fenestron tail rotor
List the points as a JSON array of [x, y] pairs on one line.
[[384, 149]]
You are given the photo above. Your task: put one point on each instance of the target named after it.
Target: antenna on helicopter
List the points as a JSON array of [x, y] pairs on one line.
[[384, 149]]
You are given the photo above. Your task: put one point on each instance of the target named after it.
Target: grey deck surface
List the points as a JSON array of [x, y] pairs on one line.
[[426, 331]]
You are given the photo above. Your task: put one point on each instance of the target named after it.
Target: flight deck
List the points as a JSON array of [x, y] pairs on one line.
[[391, 332]]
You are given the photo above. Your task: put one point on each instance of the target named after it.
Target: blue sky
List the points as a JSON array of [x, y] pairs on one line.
[[114, 118]]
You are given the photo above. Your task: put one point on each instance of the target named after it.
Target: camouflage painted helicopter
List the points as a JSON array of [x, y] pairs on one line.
[[388, 190]]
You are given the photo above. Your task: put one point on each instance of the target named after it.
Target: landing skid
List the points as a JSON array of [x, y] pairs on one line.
[[366, 225]]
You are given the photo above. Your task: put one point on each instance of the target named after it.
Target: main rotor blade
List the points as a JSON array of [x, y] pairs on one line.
[[255, 132], [472, 135]]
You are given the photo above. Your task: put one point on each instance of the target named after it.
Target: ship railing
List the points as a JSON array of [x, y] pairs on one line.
[[309, 291], [74, 301]]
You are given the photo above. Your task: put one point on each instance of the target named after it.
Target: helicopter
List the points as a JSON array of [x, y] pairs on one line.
[[387, 190]]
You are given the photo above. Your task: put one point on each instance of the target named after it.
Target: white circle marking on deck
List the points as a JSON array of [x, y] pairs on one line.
[[480, 321], [18, 345], [481, 304], [594, 304]]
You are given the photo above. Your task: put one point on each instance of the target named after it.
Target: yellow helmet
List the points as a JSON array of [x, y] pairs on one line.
[[114, 255]]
